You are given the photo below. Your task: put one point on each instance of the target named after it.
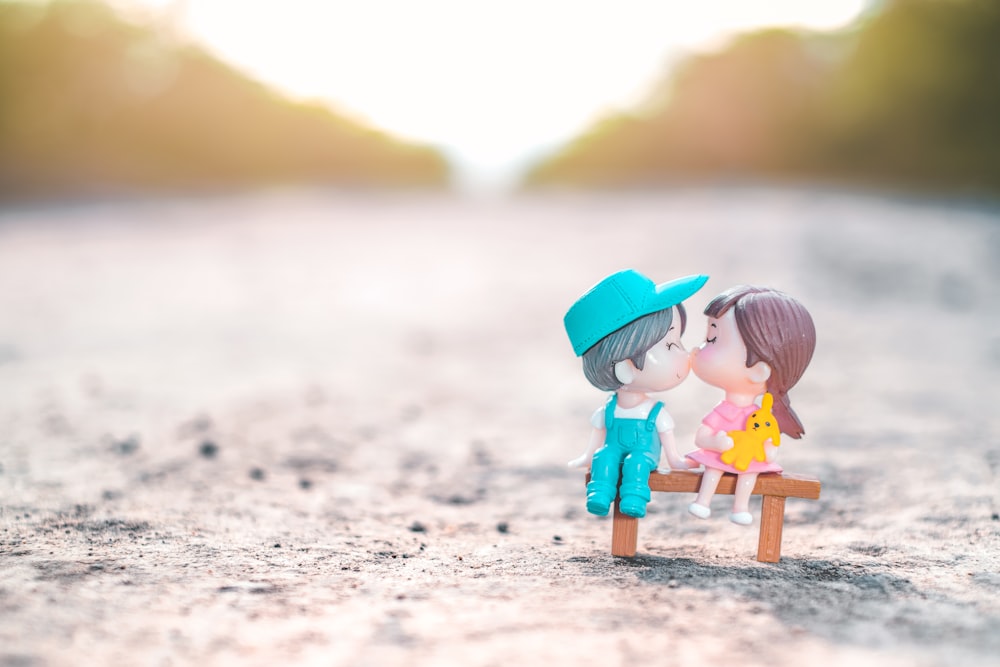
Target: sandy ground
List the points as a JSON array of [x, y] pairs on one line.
[[317, 428]]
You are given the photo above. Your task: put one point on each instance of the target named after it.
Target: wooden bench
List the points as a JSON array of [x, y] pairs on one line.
[[773, 487]]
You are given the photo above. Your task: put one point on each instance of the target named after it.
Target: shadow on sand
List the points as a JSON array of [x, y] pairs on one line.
[[839, 601]]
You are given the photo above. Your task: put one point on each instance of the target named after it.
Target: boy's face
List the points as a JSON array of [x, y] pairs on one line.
[[667, 363]]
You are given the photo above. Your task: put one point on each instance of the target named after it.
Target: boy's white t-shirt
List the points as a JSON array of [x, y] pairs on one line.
[[664, 422]]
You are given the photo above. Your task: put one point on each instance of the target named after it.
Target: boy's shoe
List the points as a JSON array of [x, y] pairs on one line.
[[634, 506], [598, 504]]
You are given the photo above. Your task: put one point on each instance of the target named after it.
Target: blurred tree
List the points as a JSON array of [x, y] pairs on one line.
[[89, 102], [908, 97], [918, 100], [743, 110]]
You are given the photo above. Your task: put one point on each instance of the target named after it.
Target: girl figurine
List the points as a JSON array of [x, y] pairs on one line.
[[759, 340], [628, 331]]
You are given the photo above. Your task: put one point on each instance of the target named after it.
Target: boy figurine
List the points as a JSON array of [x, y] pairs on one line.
[[628, 331]]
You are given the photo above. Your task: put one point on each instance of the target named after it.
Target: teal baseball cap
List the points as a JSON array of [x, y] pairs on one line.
[[619, 299]]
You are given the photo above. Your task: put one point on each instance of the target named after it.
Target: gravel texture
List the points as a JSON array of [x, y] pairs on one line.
[[325, 428]]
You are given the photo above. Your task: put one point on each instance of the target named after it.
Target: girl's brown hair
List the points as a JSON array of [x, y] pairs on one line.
[[777, 330]]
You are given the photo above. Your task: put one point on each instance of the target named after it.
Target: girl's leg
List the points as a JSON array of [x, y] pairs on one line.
[[709, 483], [741, 501]]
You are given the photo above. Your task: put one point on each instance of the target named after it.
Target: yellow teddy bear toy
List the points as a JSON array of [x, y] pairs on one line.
[[748, 445]]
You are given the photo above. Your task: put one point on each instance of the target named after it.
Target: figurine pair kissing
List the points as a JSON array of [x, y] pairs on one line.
[[628, 331]]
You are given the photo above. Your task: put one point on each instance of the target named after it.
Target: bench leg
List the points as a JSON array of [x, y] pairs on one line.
[[772, 518], [624, 534]]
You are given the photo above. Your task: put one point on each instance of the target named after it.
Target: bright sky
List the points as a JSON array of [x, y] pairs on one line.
[[493, 83]]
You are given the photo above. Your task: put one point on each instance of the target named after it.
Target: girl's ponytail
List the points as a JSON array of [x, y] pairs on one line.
[[788, 421]]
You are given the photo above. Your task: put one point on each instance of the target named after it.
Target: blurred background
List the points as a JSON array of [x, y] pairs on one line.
[[255, 164], [185, 95]]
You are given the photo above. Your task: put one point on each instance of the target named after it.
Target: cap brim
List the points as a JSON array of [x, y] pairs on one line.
[[672, 293]]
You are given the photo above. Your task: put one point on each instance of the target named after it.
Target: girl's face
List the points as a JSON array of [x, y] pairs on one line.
[[721, 360], [667, 363]]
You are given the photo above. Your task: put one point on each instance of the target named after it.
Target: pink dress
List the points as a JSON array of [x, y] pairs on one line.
[[728, 417]]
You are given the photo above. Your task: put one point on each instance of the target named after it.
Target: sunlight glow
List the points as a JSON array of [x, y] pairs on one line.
[[492, 83]]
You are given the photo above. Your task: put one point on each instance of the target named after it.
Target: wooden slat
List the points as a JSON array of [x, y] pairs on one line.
[[772, 519], [786, 485], [624, 534]]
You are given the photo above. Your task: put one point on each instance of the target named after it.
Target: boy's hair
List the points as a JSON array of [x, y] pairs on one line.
[[632, 341]]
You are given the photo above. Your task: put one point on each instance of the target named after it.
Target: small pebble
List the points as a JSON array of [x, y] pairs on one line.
[[128, 445], [257, 474], [208, 449], [502, 527], [417, 527]]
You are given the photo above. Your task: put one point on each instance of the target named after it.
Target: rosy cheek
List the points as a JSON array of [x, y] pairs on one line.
[[705, 355], [701, 361], [685, 362]]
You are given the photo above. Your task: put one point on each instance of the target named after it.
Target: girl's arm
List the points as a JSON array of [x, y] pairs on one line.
[[706, 438], [596, 440], [669, 443]]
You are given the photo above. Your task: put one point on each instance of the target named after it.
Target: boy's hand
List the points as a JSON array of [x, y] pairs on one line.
[[675, 464]]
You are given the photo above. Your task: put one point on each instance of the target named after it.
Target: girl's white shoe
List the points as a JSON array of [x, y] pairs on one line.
[[742, 518], [699, 511]]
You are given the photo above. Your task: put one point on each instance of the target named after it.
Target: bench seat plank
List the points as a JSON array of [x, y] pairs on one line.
[[786, 485]]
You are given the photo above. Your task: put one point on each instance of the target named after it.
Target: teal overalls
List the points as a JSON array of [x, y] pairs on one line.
[[631, 450]]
